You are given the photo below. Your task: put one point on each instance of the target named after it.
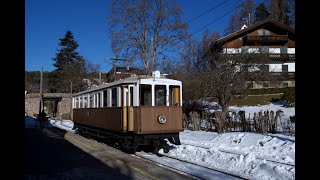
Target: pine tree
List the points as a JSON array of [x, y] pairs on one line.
[[240, 17], [280, 11], [70, 67], [261, 13]]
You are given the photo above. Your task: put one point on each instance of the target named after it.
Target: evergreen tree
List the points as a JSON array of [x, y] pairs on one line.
[[70, 67], [280, 11], [261, 13], [240, 17]]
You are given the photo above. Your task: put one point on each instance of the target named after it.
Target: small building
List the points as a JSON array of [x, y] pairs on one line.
[[270, 37], [117, 73]]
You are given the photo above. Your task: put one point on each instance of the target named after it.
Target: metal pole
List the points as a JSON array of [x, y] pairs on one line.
[[70, 99], [41, 103], [114, 70]]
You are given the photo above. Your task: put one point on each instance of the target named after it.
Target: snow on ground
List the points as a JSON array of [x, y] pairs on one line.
[[250, 110], [242, 153], [216, 151], [63, 124]]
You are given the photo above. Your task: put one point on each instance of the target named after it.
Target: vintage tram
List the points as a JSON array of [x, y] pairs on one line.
[[138, 111]]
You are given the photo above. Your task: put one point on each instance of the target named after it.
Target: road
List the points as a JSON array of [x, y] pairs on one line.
[[52, 153]]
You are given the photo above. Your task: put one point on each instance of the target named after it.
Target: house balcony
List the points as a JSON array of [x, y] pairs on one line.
[[266, 39], [276, 76], [283, 57], [285, 75]]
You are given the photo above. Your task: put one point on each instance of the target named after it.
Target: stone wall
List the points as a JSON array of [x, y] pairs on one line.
[[31, 106], [64, 107], [32, 103]]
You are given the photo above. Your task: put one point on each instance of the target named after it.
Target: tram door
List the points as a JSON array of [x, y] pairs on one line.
[[130, 107], [127, 108]]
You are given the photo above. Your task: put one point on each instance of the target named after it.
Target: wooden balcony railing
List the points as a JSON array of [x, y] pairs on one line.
[[278, 38], [283, 57], [272, 57], [285, 75]]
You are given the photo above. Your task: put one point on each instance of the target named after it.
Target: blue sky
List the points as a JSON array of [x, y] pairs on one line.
[[46, 21]]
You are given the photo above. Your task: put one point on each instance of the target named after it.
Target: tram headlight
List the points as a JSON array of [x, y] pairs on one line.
[[162, 119]]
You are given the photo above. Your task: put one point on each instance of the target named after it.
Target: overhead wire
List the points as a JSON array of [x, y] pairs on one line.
[[238, 6]]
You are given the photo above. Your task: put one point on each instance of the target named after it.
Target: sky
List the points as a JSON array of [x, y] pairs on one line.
[[245, 154], [46, 21]]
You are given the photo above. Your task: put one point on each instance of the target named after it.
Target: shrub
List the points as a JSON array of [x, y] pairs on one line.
[[289, 97], [292, 119], [270, 90]]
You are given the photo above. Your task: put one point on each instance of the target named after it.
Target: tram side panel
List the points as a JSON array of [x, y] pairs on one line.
[[106, 118], [148, 120]]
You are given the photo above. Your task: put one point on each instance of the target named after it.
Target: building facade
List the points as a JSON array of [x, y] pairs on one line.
[[117, 73], [272, 38]]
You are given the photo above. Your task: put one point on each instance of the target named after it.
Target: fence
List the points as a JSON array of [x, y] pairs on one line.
[[261, 122]]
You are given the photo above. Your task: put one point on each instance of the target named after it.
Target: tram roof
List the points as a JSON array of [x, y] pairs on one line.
[[129, 80]]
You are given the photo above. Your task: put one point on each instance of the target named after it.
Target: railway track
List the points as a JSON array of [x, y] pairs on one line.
[[238, 154], [190, 168]]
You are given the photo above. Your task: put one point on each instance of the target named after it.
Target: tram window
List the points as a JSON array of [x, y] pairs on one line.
[[98, 100], [131, 96], [174, 95], [114, 97], [145, 95], [160, 95], [90, 101], [105, 98], [81, 101], [76, 105], [84, 101]]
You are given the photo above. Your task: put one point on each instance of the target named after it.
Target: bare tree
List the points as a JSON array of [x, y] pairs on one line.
[[191, 63], [146, 30], [227, 76]]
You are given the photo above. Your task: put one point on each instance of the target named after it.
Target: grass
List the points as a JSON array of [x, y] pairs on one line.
[[254, 100]]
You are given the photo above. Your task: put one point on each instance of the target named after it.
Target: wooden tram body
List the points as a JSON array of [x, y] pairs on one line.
[[136, 111]]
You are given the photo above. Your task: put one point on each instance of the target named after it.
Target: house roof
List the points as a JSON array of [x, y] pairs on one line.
[[124, 69], [267, 24]]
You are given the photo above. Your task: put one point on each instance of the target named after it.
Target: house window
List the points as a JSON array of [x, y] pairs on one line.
[[244, 49], [285, 84], [264, 68], [284, 68], [264, 49], [283, 50], [266, 84], [260, 32], [267, 33]]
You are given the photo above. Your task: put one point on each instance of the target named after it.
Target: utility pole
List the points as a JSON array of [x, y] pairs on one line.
[[70, 99], [114, 70], [100, 79], [41, 103]]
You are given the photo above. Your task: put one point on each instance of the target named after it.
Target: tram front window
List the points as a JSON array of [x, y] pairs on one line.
[[145, 95], [160, 95], [174, 95]]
